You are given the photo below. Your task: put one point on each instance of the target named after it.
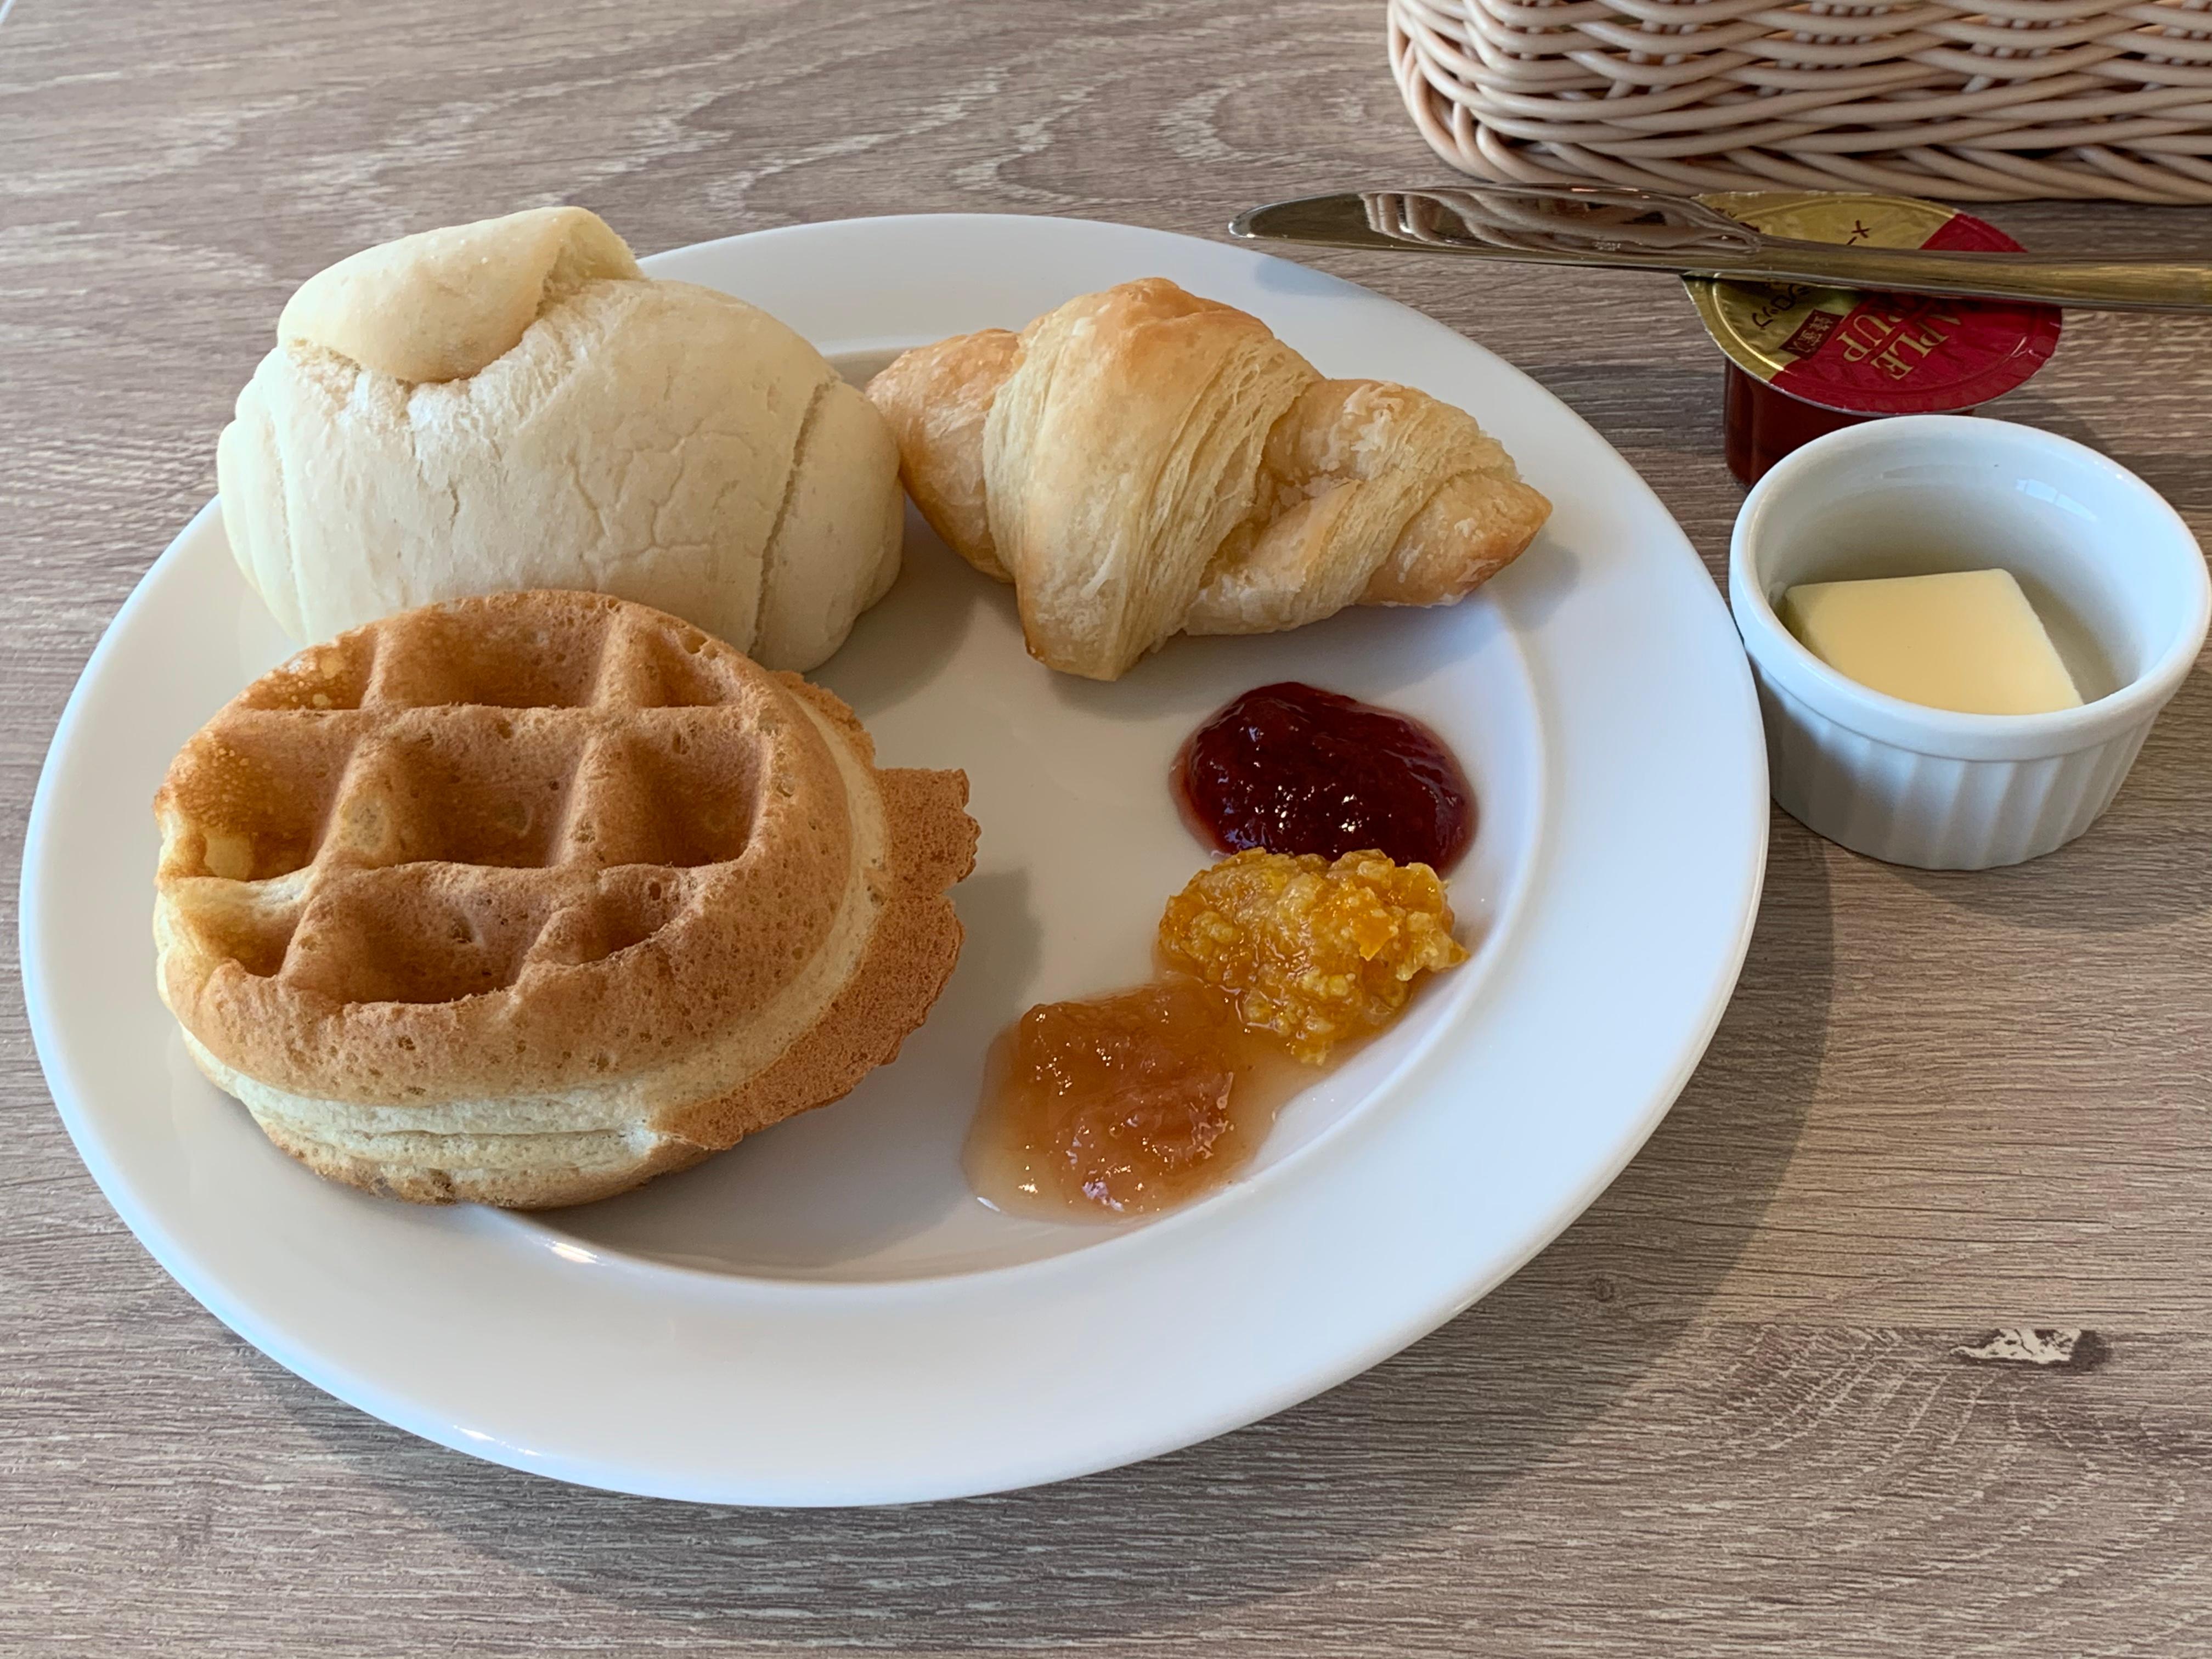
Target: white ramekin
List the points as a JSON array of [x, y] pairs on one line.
[[2115, 573]]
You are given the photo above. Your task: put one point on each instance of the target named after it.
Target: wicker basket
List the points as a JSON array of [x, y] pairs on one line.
[[1992, 100]]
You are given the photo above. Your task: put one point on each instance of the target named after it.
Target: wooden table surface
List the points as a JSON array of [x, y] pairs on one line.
[[1758, 1401]]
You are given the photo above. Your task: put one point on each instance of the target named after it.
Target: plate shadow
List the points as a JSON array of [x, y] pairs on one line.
[[1483, 1403], [2146, 863]]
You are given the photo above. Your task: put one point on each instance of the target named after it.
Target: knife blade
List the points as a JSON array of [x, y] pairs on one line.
[[1640, 230]]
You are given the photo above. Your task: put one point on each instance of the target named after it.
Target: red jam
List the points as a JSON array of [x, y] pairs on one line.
[[1292, 769]]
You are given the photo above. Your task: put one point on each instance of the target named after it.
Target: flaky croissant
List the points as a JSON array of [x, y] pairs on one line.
[[1142, 463]]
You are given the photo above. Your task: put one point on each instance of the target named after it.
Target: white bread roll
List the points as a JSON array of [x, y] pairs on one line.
[[513, 404]]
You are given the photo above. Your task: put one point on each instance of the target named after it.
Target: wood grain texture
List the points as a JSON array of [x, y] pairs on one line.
[[1757, 1401]]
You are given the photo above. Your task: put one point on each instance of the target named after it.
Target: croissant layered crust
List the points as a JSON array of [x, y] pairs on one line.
[[1141, 463]]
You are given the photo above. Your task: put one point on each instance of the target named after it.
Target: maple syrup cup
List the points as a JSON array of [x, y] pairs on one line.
[[2109, 567]]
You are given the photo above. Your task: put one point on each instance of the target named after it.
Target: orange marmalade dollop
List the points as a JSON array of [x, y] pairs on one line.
[[1315, 952], [1135, 1102]]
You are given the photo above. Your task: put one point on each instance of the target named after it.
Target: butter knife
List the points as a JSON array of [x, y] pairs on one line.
[[1640, 230]]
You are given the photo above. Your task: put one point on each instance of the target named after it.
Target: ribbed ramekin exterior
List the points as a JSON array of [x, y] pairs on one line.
[[1933, 812], [1928, 786]]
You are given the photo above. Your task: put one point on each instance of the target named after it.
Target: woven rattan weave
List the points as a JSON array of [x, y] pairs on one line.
[[1992, 101]]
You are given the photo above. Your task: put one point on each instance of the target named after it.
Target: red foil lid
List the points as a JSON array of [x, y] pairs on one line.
[[1873, 354]]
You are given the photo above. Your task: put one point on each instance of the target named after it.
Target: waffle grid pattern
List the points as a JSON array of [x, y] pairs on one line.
[[422, 811], [1992, 101]]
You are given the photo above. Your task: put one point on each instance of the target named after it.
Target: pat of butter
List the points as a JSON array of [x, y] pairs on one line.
[[1967, 640]]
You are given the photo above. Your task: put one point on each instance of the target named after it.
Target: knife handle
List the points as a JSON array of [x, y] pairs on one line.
[[2098, 284]]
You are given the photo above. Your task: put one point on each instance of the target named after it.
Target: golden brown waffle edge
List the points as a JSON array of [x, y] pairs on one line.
[[524, 899]]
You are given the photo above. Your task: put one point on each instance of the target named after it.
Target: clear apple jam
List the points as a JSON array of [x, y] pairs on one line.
[[1139, 1101]]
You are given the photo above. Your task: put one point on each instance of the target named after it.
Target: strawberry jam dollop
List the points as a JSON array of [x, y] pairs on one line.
[[1292, 769]]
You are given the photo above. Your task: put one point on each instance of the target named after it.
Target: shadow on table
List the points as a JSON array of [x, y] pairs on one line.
[[2176, 473], [1669, 409], [2146, 863], [1423, 1445]]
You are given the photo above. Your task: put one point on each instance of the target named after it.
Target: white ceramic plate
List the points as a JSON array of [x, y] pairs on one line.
[[826, 1315]]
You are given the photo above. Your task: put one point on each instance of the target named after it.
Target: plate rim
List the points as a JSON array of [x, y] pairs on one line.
[[174, 1256]]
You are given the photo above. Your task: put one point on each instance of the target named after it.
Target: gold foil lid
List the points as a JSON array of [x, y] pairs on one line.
[[1872, 353]]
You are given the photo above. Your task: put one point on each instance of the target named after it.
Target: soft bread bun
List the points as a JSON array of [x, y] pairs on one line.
[[513, 404], [526, 899], [1141, 463]]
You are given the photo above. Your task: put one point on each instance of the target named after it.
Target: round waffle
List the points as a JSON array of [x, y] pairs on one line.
[[526, 899]]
